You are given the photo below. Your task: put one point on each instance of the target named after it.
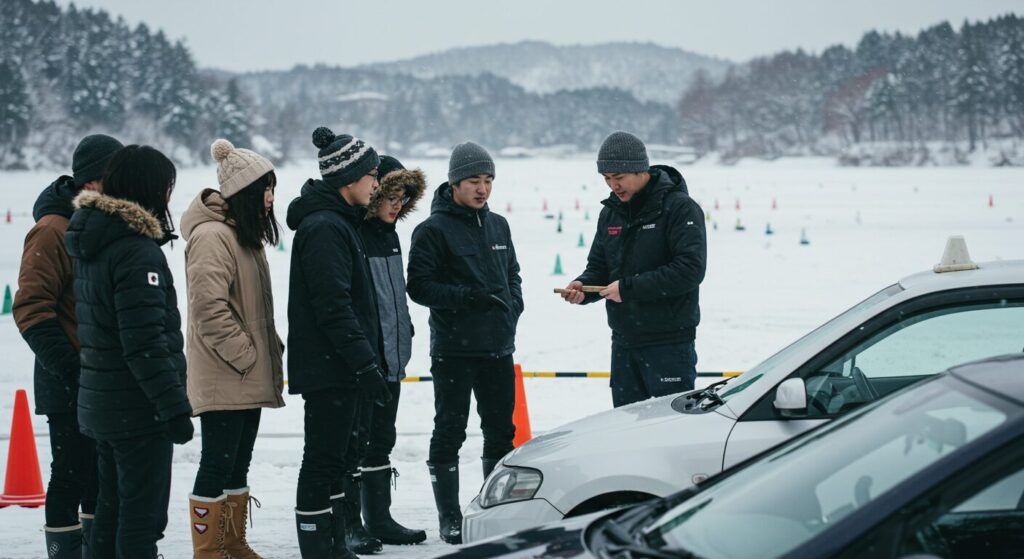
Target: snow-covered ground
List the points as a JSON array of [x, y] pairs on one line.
[[867, 228]]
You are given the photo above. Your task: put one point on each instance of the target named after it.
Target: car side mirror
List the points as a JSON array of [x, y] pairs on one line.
[[791, 397]]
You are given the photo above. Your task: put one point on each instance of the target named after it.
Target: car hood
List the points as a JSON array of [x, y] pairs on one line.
[[604, 430], [562, 540]]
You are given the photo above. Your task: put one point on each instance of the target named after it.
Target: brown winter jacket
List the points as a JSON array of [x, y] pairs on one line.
[[234, 353], [44, 305]]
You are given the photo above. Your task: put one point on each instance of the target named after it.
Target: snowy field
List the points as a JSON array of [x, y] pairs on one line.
[[867, 228]]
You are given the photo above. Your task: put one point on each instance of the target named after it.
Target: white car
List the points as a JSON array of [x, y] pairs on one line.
[[906, 332]]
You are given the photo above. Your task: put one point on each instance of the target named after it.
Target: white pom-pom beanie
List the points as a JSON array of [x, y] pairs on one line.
[[237, 168]]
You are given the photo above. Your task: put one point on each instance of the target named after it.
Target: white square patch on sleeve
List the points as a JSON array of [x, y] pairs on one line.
[[154, 279]]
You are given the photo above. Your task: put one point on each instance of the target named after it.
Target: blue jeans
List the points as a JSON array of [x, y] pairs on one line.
[[652, 371]]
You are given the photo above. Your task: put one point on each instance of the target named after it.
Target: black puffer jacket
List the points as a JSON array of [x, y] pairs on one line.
[[655, 245], [133, 367], [334, 329], [454, 251]]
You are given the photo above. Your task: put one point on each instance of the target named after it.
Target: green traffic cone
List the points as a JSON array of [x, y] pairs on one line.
[[280, 245], [586, 215], [558, 265], [8, 302], [581, 243]]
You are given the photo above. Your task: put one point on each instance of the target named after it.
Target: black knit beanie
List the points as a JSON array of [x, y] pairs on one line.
[[91, 157], [622, 152], [343, 159], [387, 165], [469, 160]]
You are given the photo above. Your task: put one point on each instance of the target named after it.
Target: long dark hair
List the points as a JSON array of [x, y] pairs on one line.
[[145, 176], [245, 208]]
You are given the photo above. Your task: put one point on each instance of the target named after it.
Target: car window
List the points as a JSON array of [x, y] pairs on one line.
[[1007, 494], [809, 484], [915, 347], [811, 339], [990, 523]]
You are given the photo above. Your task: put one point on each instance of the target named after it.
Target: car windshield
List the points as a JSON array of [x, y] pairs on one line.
[[808, 484], [825, 330]]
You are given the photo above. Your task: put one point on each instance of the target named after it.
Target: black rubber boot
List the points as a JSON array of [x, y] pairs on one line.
[[315, 532], [489, 464], [376, 497], [444, 479], [64, 543], [347, 507], [86, 520]]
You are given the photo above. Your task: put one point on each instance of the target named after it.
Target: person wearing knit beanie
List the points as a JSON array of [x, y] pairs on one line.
[[334, 342], [44, 311], [231, 334], [399, 191], [91, 157], [463, 266], [652, 297]]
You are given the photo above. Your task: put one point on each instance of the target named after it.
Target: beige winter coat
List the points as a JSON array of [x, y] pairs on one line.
[[233, 351]]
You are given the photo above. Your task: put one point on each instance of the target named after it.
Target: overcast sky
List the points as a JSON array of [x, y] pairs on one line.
[[271, 34]]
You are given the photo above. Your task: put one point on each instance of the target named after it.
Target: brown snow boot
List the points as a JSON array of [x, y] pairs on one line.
[[238, 514], [207, 517]]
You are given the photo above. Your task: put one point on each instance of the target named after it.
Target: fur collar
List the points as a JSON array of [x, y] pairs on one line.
[[137, 218], [413, 181]]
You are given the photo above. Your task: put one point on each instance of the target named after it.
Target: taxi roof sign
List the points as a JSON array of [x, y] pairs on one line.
[[955, 258]]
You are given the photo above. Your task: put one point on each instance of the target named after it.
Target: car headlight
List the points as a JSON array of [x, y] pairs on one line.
[[509, 484]]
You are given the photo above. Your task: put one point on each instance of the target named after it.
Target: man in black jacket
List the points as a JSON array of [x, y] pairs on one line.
[[44, 310], [334, 334], [462, 265], [650, 253]]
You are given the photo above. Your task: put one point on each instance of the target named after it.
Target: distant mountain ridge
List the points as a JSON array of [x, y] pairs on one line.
[[650, 72]]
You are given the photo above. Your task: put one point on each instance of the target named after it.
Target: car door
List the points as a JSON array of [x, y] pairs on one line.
[[896, 348]]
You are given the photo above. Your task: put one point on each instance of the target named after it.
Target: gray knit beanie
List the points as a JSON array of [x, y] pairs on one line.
[[622, 152], [237, 168], [469, 160]]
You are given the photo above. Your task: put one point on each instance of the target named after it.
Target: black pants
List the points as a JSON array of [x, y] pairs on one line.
[[377, 434], [72, 472], [330, 422], [648, 372], [135, 487], [493, 382], [228, 438]]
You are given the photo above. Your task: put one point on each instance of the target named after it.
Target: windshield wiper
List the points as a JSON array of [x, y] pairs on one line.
[[648, 552], [622, 544], [710, 392]]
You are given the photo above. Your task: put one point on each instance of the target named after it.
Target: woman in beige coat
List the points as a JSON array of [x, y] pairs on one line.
[[233, 351]]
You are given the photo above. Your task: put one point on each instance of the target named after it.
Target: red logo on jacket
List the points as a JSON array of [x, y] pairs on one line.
[[612, 231]]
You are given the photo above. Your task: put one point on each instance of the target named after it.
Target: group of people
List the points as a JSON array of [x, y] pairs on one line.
[[119, 385]]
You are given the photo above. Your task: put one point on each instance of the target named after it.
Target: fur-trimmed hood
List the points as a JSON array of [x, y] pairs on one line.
[[413, 181], [99, 220]]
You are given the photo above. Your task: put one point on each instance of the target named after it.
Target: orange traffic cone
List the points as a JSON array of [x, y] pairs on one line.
[[24, 483], [8, 215], [520, 414]]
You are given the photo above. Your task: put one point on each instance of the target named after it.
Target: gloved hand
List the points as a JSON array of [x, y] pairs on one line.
[[483, 299], [180, 429], [370, 383]]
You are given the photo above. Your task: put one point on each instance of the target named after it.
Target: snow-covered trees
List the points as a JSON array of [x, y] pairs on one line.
[[66, 72], [942, 85]]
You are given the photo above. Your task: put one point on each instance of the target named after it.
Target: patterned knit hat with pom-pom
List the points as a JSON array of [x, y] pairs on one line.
[[343, 159], [237, 168]]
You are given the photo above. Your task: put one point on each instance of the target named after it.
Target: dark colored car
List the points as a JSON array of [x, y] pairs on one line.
[[933, 470]]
